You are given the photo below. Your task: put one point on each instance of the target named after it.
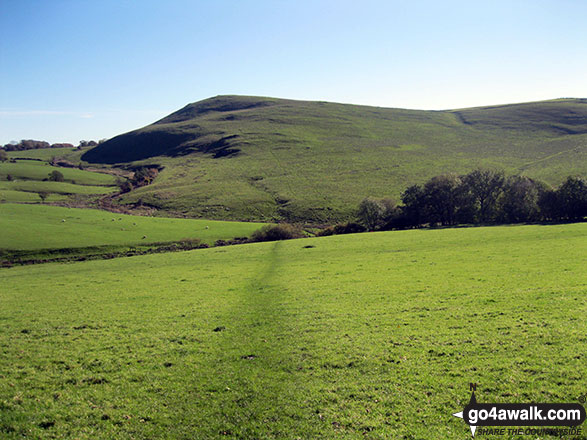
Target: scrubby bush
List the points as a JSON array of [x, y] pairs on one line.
[[56, 176], [283, 231], [124, 185], [231, 241], [342, 228], [144, 176], [348, 228]]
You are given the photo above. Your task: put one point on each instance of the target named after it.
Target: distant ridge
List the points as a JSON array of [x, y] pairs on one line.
[[244, 157]]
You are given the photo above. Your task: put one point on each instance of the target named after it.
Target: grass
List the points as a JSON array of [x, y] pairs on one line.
[[8, 195], [35, 186], [315, 161], [35, 227], [46, 154], [362, 336], [28, 181], [34, 170]]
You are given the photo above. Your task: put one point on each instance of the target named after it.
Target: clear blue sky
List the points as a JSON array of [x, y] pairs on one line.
[[72, 69]]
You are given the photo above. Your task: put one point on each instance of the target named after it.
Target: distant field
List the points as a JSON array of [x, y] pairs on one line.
[[8, 195], [35, 170], [27, 180], [55, 187], [29, 227], [369, 336], [48, 153]]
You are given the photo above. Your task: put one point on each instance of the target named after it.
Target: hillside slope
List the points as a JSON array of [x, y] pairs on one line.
[[236, 157]]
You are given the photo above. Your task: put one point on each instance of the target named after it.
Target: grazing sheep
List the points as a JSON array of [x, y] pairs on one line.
[[144, 236], [207, 227]]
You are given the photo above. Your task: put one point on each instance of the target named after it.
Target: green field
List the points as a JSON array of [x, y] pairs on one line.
[[35, 170], [36, 186], [253, 158], [7, 195], [31, 227], [369, 336], [46, 154], [28, 178]]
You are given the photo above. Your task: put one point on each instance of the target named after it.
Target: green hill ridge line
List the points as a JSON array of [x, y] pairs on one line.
[[257, 158]]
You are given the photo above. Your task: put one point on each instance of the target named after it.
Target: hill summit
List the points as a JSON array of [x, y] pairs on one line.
[[242, 157]]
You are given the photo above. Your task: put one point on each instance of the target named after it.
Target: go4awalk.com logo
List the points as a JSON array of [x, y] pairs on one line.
[[518, 417]]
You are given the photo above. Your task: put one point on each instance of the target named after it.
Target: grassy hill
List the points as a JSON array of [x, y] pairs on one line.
[[236, 157], [38, 170], [22, 181], [359, 336], [32, 227]]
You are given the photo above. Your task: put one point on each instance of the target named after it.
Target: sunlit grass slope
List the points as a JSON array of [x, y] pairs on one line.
[[237, 157], [28, 178], [15, 196], [361, 336], [28, 227], [34, 170], [36, 186]]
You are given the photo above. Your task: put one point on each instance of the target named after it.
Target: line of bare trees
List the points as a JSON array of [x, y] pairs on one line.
[[31, 144], [480, 197]]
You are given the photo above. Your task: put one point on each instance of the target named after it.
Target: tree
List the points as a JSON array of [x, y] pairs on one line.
[[413, 209], [56, 176], [549, 205], [391, 214], [520, 200], [371, 212], [485, 187], [3, 155], [442, 196], [26, 144], [84, 143], [572, 198], [43, 195]]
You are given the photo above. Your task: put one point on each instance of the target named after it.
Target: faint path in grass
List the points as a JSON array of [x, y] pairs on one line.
[[552, 156], [253, 380]]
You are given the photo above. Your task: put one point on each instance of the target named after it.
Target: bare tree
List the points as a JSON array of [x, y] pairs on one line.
[[371, 212], [485, 187]]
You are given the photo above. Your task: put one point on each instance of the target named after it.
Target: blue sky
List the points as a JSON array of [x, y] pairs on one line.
[[83, 69]]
